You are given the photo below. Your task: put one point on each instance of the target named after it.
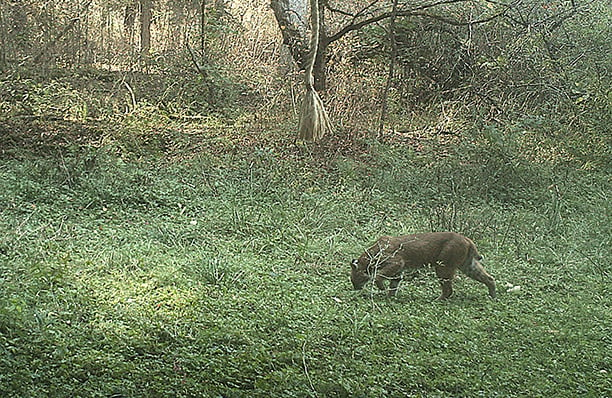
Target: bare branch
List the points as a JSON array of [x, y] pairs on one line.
[[420, 11]]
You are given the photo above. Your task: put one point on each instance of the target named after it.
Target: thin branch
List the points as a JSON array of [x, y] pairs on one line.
[[197, 65], [461, 23], [414, 12], [348, 14], [358, 25], [314, 390], [392, 60], [338, 11], [132, 96]]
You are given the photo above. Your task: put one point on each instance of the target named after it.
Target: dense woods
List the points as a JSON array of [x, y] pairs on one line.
[[183, 185]]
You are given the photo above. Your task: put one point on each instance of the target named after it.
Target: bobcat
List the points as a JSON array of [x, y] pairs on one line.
[[445, 251]]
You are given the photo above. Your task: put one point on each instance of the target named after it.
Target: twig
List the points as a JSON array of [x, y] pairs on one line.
[[392, 60], [597, 265], [131, 94], [198, 67], [419, 11], [306, 368]]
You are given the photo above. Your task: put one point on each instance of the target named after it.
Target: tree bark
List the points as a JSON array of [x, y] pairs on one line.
[[292, 29], [3, 34], [146, 14], [291, 18], [129, 18], [320, 64], [203, 26], [314, 121]]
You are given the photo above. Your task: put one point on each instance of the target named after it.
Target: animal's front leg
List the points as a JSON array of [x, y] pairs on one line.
[[447, 288], [445, 275], [393, 286], [379, 282]]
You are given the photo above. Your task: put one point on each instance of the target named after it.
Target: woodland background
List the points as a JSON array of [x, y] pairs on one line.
[[539, 63]]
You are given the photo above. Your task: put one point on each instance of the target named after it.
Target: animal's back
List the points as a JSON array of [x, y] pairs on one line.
[[448, 248]]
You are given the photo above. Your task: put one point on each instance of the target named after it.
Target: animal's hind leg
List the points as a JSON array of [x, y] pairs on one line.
[[393, 286], [445, 275], [476, 271]]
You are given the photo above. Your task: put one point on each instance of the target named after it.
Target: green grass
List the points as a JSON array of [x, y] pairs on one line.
[[226, 275]]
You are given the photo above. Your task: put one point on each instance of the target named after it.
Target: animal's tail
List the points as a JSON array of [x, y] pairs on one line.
[[476, 271]]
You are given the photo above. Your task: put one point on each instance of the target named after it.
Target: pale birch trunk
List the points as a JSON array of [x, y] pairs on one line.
[[314, 121]]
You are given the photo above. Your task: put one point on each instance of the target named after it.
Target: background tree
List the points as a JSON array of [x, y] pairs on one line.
[[292, 17], [314, 121], [354, 16], [392, 61], [146, 14], [129, 19], [3, 31]]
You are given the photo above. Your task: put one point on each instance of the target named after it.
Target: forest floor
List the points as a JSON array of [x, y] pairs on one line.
[[175, 259]]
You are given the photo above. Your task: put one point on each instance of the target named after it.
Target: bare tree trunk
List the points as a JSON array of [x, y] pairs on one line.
[[64, 31], [203, 27], [146, 14], [129, 18], [385, 96], [320, 64], [291, 18], [293, 30], [3, 34], [314, 121]]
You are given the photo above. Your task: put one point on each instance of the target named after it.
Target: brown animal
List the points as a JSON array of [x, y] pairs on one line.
[[445, 251]]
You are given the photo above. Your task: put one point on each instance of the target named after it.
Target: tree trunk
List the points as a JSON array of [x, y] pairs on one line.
[[129, 18], [291, 23], [392, 60], [64, 31], [203, 27], [314, 121], [320, 67], [146, 14], [3, 34], [291, 16]]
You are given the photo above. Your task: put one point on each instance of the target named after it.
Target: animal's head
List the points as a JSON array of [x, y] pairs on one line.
[[358, 276]]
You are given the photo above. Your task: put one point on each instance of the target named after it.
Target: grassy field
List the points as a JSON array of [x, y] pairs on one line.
[[225, 273]]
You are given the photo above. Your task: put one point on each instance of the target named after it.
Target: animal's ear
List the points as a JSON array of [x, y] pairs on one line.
[[354, 264]]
